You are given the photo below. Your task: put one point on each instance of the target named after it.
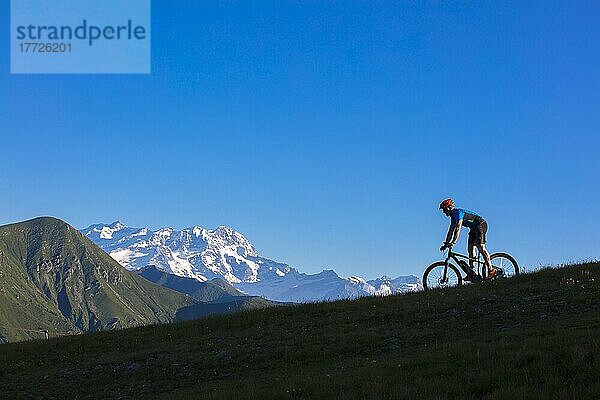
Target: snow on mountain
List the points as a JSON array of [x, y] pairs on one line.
[[386, 285], [204, 254]]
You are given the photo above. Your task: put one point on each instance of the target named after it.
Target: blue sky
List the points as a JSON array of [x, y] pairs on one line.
[[326, 132]]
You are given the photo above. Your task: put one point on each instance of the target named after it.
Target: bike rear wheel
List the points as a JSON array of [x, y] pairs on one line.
[[433, 277], [506, 263]]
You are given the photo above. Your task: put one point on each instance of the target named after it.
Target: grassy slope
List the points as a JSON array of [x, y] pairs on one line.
[[216, 290], [535, 336], [22, 304], [244, 303], [54, 278]]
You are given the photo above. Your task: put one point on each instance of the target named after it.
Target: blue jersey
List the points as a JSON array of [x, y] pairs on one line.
[[469, 218]]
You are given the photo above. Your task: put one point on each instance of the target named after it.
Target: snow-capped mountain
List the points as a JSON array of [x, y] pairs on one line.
[[224, 253]]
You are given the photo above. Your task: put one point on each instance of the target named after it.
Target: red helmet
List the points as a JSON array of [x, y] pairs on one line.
[[446, 203]]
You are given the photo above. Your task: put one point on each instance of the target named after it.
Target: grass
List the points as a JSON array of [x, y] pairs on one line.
[[535, 336]]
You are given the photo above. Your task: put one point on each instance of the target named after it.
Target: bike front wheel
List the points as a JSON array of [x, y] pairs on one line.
[[441, 275], [506, 263]]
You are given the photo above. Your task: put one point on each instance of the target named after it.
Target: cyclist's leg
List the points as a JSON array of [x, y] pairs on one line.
[[486, 256], [480, 242], [471, 249], [471, 244], [472, 275]]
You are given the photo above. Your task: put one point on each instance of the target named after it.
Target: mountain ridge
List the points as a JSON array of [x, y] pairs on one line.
[[204, 254]]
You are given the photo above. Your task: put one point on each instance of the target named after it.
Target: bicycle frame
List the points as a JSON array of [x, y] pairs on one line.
[[478, 263], [456, 257]]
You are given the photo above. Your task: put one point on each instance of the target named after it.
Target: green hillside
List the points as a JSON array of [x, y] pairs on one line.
[[216, 290], [244, 303], [53, 278], [534, 336], [215, 296]]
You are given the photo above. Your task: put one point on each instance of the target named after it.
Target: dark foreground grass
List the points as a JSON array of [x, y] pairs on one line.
[[536, 336]]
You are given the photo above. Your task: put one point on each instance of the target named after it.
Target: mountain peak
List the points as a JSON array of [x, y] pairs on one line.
[[329, 273], [43, 225], [107, 231], [224, 230], [197, 231], [42, 220], [117, 226]]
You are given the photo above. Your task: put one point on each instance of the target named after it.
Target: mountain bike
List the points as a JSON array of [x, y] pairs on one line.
[[452, 270]]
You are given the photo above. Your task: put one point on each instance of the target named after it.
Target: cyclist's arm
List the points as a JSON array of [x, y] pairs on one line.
[[453, 232], [456, 232]]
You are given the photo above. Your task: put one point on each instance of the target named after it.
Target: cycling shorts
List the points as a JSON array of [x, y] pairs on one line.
[[477, 234]]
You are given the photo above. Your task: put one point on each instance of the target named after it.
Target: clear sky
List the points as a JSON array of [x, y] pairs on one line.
[[326, 132]]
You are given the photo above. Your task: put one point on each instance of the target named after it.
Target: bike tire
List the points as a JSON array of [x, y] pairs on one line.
[[431, 280], [510, 269]]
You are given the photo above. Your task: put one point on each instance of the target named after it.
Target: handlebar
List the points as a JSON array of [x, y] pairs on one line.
[[447, 246]]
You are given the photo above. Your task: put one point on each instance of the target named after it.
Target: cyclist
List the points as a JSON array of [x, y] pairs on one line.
[[477, 229]]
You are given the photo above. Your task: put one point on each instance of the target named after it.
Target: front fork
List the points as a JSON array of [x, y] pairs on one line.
[[445, 276], [446, 264]]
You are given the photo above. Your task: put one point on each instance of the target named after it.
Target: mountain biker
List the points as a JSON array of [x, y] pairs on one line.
[[477, 229]]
